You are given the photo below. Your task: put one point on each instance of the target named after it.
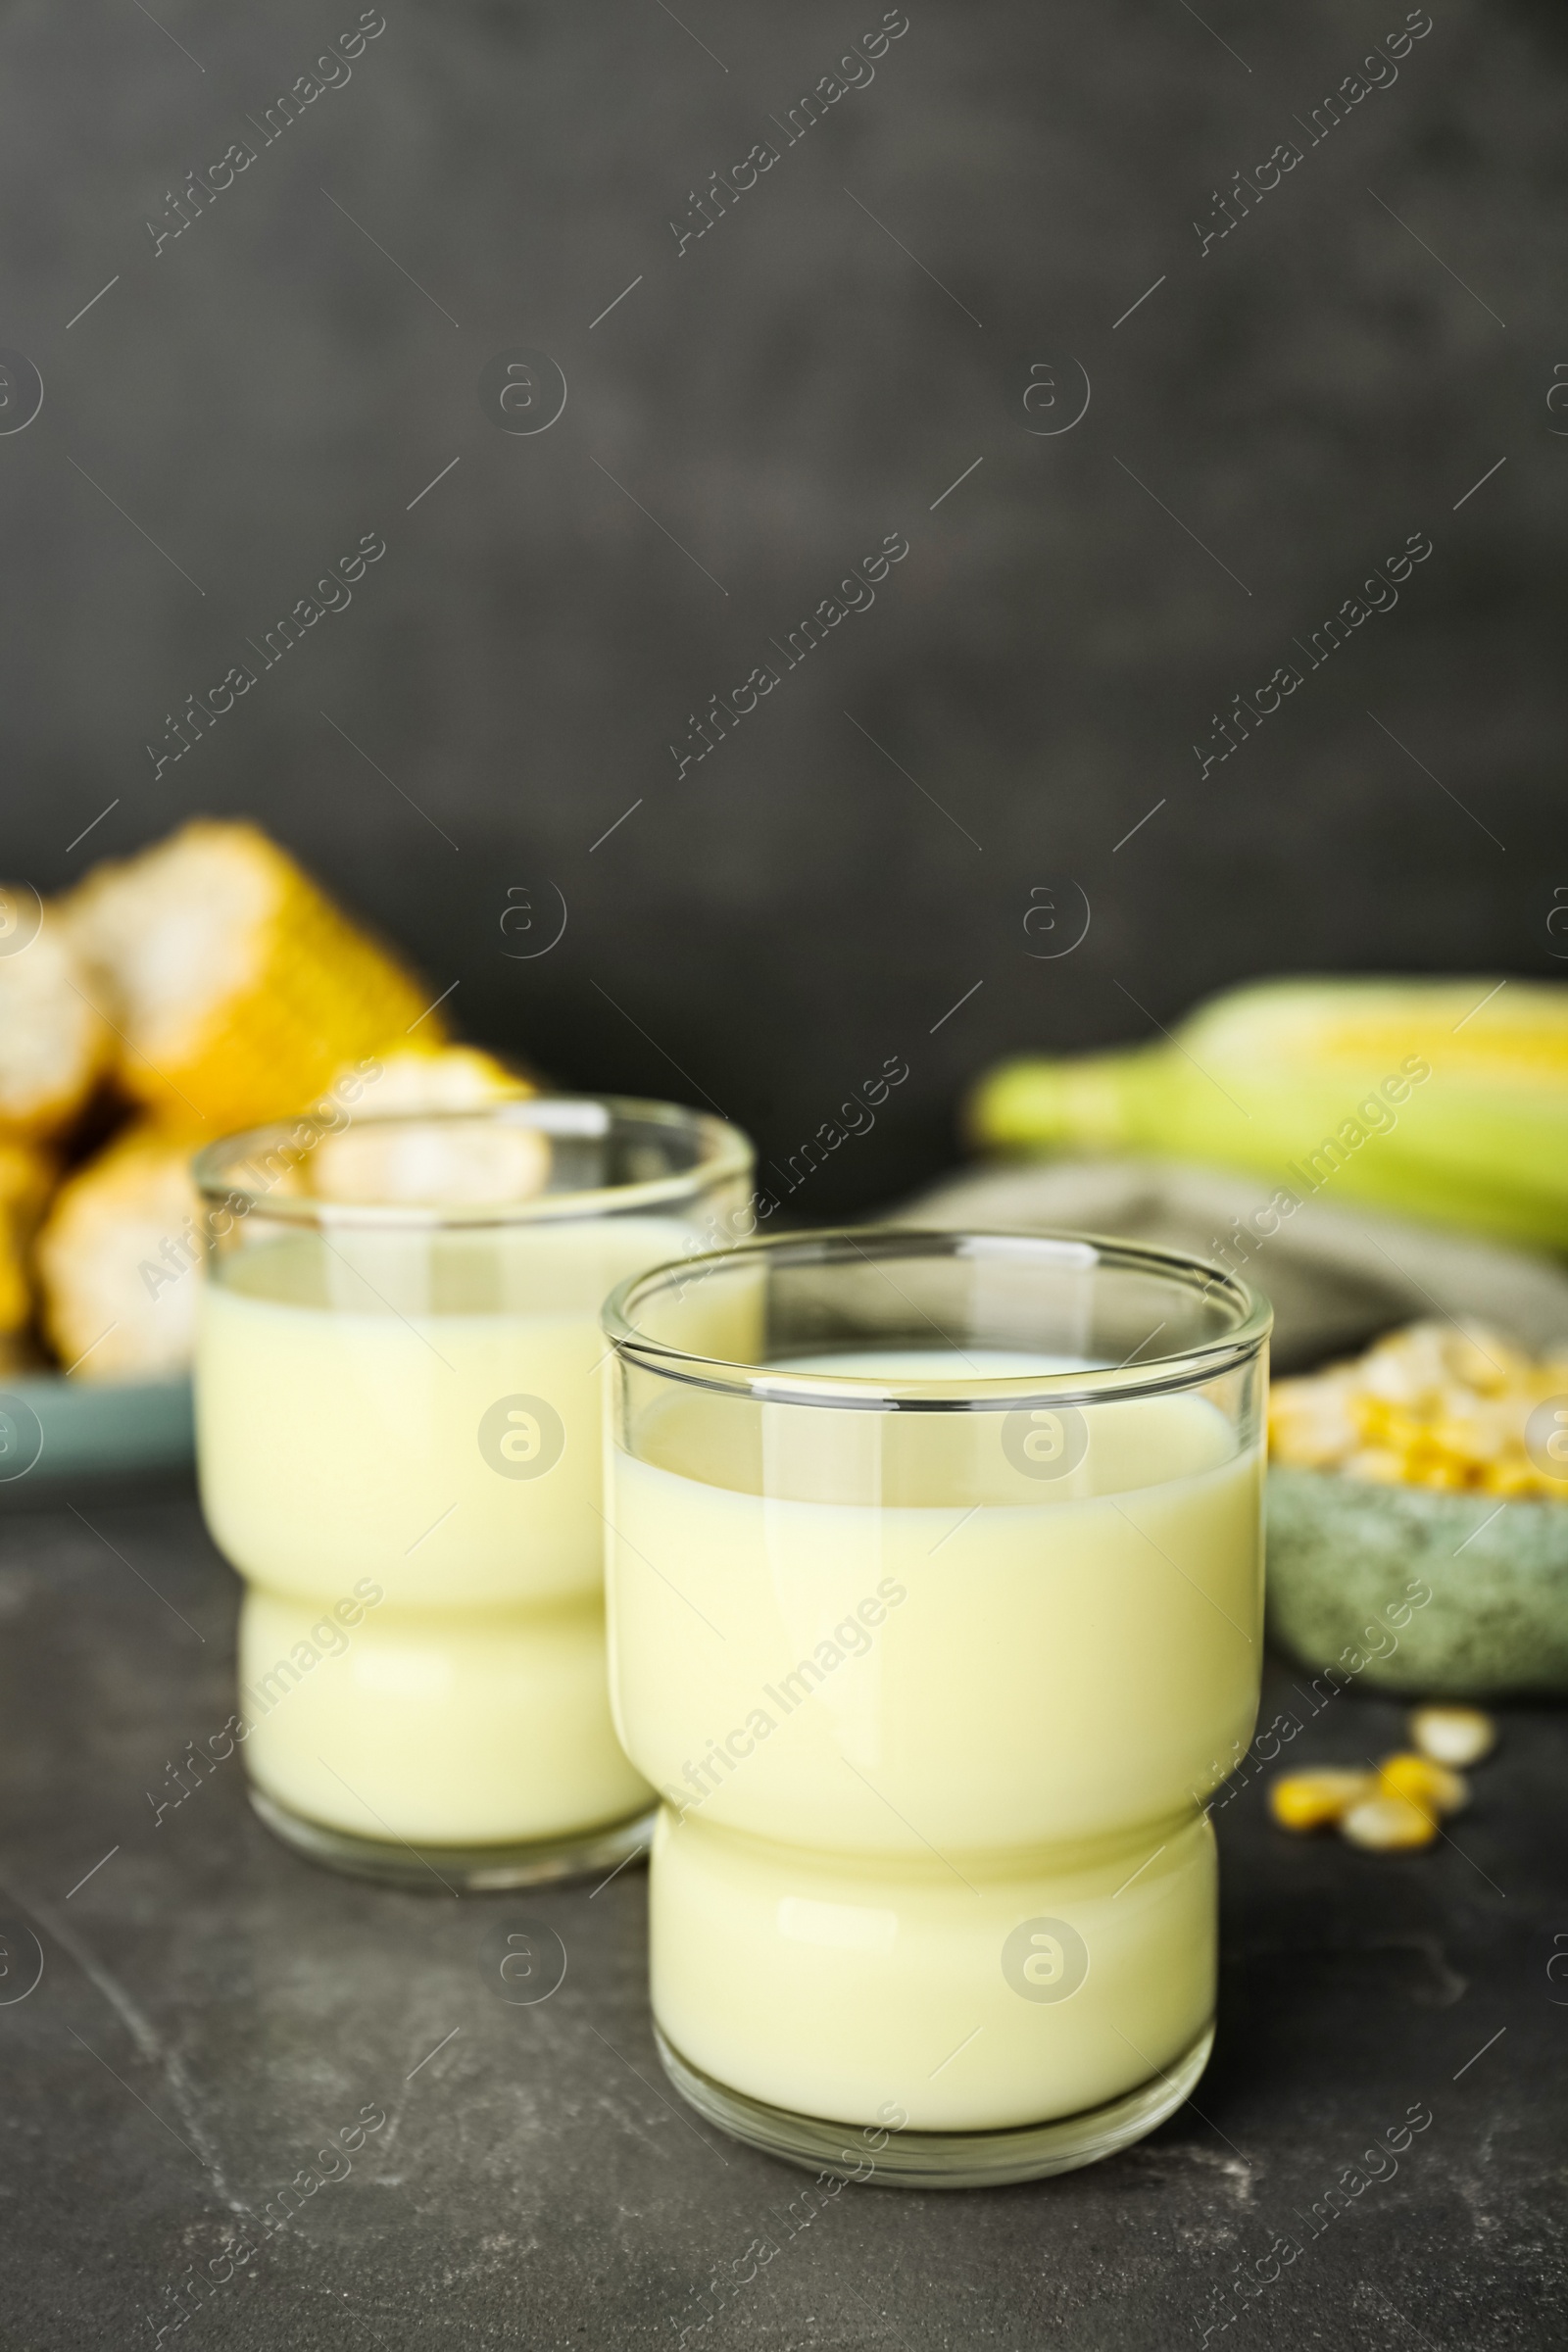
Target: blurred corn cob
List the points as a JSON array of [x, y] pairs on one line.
[[26, 1175], [434, 1163], [53, 1041], [117, 1259], [234, 987], [1447, 1099], [438, 1078]]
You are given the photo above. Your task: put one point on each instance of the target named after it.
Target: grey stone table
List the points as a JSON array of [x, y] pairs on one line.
[[212, 2013]]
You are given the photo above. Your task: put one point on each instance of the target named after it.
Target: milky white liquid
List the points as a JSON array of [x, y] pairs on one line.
[[1011, 1715], [340, 1393]]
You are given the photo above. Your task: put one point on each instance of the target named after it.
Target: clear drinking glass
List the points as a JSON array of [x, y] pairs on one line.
[[399, 1400], [935, 1580]]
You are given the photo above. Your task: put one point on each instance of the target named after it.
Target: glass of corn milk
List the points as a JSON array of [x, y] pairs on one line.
[[400, 1385], [935, 1618]]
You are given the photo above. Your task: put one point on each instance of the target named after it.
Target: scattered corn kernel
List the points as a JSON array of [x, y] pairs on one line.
[[1427, 1406], [1384, 1825], [1308, 1801], [1430, 1786], [1456, 1736]]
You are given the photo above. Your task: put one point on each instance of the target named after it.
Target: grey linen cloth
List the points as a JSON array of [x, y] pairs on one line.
[[1335, 1275]]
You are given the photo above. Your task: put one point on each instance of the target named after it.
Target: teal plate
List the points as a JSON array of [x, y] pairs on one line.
[[53, 1430]]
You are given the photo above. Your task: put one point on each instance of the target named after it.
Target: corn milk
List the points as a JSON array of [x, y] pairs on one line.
[[424, 1412], [933, 1732]]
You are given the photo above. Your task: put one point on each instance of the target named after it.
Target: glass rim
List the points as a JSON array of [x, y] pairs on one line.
[[725, 1152], [1185, 1368]]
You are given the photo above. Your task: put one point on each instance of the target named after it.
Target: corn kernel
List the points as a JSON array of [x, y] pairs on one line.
[[1378, 1463], [1307, 1800], [1424, 1407], [1468, 1438], [1386, 1824], [1455, 1735], [1430, 1786]]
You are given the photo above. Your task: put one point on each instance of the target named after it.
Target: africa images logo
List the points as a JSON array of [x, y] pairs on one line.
[[521, 1436]]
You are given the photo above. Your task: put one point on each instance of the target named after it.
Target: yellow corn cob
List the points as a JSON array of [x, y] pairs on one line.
[[436, 1078], [436, 1163], [24, 1180], [234, 986], [53, 1041], [1445, 1098], [117, 1255], [117, 1259]]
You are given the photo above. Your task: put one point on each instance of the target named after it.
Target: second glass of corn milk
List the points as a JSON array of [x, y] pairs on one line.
[[399, 1396], [935, 1578]]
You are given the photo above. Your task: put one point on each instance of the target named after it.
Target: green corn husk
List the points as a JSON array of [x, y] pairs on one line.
[[1442, 1098]]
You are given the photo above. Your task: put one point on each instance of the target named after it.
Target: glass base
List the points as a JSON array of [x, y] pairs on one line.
[[458, 1869], [941, 2159]]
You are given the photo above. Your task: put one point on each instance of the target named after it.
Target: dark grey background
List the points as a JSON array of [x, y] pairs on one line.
[[766, 931]]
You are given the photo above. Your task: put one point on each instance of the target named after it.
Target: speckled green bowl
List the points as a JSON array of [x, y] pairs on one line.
[[1346, 1560]]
